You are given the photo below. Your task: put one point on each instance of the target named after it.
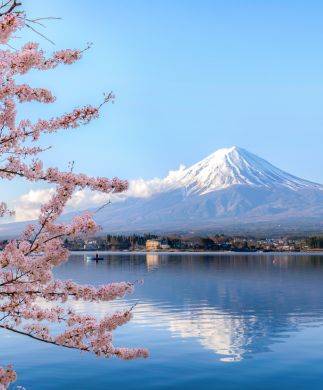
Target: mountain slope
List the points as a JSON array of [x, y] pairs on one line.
[[230, 190], [233, 166], [231, 187]]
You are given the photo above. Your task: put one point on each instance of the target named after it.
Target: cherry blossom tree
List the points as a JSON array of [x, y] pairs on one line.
[[27, 263]]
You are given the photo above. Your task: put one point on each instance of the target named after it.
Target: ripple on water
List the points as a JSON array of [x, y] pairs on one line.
[[230, 322]]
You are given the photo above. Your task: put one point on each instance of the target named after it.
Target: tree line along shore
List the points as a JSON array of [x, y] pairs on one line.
[[216, 242]]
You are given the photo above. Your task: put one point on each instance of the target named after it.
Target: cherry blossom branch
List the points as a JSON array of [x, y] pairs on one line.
[[27, 264], [14, 4], [41, 339]]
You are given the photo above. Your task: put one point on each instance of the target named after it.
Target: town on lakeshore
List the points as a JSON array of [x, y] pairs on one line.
[[178, 243]]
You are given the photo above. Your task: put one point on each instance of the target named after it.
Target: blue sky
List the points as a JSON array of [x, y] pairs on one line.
[[189, 77]]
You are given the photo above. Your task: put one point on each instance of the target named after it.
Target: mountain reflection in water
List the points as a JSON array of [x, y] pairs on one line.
[[234, 305], [225, 321]]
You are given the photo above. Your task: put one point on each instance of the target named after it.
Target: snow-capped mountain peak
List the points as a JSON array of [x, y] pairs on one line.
[[230, 190], [233, 166]]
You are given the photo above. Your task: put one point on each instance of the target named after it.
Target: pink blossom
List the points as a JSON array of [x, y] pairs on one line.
[[27, 263], [7, 376], [9, 23]]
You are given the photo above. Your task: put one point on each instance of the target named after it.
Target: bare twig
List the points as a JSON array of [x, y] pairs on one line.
[[102, 207], [14, 4], [42, 35]]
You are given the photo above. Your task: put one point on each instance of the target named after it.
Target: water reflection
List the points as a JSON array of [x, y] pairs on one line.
[[195, 313], [235, 306], [215, 330], [152, 261]]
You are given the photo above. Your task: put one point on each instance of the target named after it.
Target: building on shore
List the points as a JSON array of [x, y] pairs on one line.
[[164, 247], [153, 245]]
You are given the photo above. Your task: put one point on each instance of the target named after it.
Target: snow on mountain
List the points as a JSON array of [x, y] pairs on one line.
[[233, 166], [230, 190]]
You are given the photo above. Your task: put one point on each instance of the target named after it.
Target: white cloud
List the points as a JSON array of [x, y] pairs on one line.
[[28, 205], [25, 213], [36, 197], [141, 188], [85, 199]]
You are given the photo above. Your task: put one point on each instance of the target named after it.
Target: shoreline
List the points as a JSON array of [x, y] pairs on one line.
[[143, 252]]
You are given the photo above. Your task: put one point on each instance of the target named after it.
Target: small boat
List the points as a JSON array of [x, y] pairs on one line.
[[96, 257], [275, 261]]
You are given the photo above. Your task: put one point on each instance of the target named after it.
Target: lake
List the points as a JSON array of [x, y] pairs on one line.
[[210, 321]]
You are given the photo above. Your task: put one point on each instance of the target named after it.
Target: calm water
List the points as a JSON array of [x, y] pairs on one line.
[[210, 322]]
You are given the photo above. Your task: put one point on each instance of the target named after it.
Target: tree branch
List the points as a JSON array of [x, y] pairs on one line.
[[43, 340], [14, 5]]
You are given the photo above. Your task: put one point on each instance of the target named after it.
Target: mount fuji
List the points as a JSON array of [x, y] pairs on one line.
[[232, 189]]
